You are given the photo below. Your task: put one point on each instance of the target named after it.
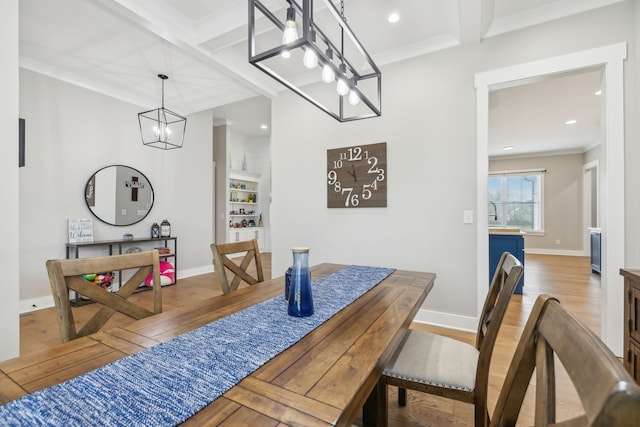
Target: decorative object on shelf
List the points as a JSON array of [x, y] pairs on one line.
[[163, 250], [134, 250], [357, 176], [162, 128], [80, 230], [155, 231], [300, 296], [114, 183], [260, 223], [356, 73], [127, 236], [165, 228]]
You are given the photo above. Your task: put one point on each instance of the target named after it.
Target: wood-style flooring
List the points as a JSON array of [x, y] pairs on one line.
[[567, 278]]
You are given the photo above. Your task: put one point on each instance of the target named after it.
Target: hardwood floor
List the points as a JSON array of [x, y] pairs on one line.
[[567, 278]]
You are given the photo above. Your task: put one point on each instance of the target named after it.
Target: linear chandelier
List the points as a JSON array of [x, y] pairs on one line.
[[327, 66], [162, 128]]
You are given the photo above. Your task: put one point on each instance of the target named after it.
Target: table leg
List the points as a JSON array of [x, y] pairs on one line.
[[374, 411]]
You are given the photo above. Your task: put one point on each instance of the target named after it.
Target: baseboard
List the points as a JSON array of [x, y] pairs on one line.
[[447, 320], [26, 306], [34, 304], [563, 252]]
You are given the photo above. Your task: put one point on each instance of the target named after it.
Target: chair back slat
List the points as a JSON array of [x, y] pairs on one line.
[[65, 275], [222, 263], [609, 395]]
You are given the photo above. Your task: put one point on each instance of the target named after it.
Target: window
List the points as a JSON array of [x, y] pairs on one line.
[[515, 200]]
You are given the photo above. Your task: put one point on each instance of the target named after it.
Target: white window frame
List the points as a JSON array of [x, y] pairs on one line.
[[521, 172]]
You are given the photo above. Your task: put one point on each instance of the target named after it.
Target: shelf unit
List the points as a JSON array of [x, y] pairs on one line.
[[121, 246], [243, 208]]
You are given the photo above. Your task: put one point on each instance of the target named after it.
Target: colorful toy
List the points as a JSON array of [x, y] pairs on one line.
[[104, 280], [167, 275]]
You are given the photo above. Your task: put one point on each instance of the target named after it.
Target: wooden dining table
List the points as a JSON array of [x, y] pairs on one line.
[[324, 379]]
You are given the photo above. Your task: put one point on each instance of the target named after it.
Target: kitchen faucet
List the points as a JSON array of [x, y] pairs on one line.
[[495, 211]]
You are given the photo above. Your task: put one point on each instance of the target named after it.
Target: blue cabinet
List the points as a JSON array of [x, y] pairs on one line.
[[507, 242], [596, 250]]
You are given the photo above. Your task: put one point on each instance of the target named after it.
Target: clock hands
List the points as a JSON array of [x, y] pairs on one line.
[[353, 174]]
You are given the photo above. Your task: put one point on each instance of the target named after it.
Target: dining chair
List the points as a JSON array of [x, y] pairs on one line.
[[609, 395], [443, 366], [65, 275], [239, 270]]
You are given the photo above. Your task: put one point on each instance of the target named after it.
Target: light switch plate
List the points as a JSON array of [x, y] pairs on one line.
[[468, 217]]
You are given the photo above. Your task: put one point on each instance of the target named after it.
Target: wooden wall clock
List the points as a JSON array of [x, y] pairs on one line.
[[357, 176]]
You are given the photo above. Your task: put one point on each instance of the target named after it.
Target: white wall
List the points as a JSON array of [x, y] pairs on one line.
[[9, 250], [429, 123], [71, 133]]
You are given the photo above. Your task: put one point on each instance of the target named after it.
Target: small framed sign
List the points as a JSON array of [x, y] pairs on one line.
[[80, 230]]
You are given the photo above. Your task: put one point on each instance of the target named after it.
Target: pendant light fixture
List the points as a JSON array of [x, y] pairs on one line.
[[305, 46], [162, 128]]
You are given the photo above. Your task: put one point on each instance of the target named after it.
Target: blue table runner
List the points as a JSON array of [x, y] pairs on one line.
[[166, 384]]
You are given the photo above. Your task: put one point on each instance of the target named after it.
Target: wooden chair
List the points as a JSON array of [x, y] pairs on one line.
[[65, 275], [609, 395], [446, 367], [222, 263]]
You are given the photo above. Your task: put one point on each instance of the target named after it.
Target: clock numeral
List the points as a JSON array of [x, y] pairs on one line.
[[333, 177], [355, 153], [374, 184], [373, 161], [337, 164], [380, 176], [351, 199], [366, 193], [343, 156], [337, 187]]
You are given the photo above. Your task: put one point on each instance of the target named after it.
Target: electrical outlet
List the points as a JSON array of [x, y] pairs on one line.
[[468, 217], [557, 241]]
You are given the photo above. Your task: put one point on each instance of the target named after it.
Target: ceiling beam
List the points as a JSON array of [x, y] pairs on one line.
[[475, 17], [170, 25]]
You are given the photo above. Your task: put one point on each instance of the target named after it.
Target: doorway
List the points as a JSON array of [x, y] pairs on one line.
[[612, 167]]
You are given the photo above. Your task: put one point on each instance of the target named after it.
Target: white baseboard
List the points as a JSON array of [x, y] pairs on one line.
[[563, 252], [447, 320], [29, 305]]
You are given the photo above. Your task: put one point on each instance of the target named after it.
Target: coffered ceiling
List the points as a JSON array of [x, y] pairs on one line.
[[117, 47]]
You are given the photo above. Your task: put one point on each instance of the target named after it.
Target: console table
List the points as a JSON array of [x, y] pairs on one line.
[[121, 246]]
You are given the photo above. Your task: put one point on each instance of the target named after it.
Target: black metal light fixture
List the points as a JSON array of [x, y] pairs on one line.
[[162, 128], [301, 55]]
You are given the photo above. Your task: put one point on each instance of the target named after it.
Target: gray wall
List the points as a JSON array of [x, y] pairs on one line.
[[562, 200], [68, 140], [429, 123]]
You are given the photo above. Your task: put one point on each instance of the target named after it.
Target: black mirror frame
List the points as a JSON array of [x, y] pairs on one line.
[[125, 166]]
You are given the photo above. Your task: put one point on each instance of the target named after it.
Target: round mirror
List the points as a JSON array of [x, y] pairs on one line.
[[119, 195]]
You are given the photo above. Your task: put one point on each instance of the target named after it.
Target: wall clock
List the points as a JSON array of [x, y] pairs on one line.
[[357, 176]]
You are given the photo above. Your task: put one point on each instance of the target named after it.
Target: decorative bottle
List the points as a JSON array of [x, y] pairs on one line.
[[155, 231], [165, 228], [300, 297]]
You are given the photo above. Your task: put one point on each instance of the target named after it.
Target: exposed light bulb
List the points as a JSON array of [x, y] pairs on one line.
[[342, 88], [354, 99], [163, 133], [286, 54], [328, 75], [310, 59], [290, 32]]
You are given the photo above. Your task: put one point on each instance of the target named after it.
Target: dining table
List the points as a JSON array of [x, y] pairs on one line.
[[325, 378]]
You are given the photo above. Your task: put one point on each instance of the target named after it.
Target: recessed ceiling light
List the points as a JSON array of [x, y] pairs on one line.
[[264, 127], [598, 92], [508, 147], [571, 122], [393, 17]]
